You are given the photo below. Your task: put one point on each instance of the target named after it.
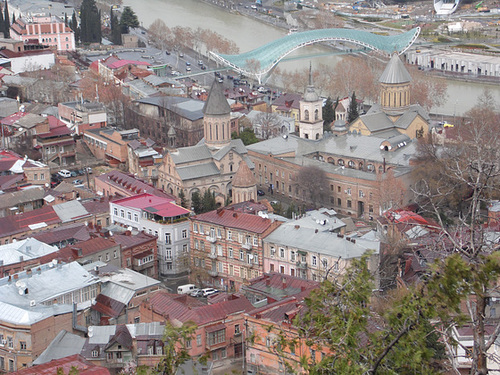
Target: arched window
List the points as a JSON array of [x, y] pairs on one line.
[[351, 164], [317, 135], [306, 115], [316, 115], [360, 166], [341, 162], [217, 132], [380, 169], [370, 168]]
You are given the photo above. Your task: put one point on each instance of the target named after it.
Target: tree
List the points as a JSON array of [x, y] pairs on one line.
[[366, 334], [13, 19], [90, 22], [208, 201], [6, 21], [73, 24], [196, 202], [352, 111], [313, 185], [160, 34], [328, 114], [128, 19], [247, 135], [175, 350], [182, 197], [2, 25], [426, 90], [468, 265], [116, 33], [269, 123]]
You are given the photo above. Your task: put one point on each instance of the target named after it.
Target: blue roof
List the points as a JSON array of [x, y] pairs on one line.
[[262, 59]]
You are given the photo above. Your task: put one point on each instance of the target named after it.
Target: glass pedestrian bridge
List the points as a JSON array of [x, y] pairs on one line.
[[260, 61]]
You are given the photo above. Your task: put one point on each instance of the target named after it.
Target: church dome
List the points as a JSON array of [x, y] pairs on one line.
[[340, 125], [243, 177]]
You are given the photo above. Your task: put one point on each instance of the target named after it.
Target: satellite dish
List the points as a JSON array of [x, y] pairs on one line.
[[250, 256], [21, 292]]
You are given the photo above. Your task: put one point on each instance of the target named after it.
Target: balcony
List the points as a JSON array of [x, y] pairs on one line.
[[247, 246], [213, 273], [212, 255], [211, 239], [140, 267], [301, 265]]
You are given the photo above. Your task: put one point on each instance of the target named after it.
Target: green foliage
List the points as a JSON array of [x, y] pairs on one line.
[[73, 24], [393, 337], [182, 197], [90, 22], [175, 351], [1, 20], [196, 202], [291, 210], [352, 112], [129, 19], [208, 202], [278, 208], [116, 31], [328, 114], [247, 135]]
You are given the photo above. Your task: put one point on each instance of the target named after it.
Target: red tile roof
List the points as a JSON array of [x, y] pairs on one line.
[[120, 63], [66, 364], [127, 241], [234, 219], [108, 306], [77, 232], [10, 120], [153, 204], [19, 223]]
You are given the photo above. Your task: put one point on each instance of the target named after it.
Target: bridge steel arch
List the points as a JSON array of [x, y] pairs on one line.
[[262, 60]]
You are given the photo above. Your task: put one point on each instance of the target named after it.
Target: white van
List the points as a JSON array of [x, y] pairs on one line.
[[185, 289]]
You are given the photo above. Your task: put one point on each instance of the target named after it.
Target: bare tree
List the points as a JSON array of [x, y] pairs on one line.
[[428, 91], [313, 185], [269, 125]]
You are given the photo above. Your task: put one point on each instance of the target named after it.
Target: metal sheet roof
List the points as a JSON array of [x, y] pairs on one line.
[[63, 345], [24, 250], [198, 171], [70, 210]]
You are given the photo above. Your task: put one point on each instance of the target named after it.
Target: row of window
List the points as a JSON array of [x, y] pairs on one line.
[[295, 256], [231, 270], [2, 364], [231, 236]]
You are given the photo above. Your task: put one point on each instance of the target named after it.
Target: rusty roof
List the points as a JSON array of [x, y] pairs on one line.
[[234, 219]]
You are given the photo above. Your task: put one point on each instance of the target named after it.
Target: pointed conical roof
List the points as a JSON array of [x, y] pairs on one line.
[[171, 131], [216, 103], [395, 72], [244, 176], [310, 95]]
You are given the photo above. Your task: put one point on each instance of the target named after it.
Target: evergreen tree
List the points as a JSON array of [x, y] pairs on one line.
[[1, 20], [128, 20], [73, 24], [13, 19], [90, 22], [182, 197], [352, 112], [208, 201], [196, 202], [116, 31], [328, 114], [65, 18], [6, 18]]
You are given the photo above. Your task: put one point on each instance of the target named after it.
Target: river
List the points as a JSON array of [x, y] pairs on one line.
[[249, 33]]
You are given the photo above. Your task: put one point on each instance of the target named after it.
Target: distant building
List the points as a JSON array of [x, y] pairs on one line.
[[18, 256], [139, 252], [162, 218], [48, 30], [81, 116], [144, 160], [33, 172], [66, 364], [57, 145], [19, 201], [110, 144]]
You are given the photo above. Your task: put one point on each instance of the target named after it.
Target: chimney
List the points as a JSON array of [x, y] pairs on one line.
[[268, 281], [283, 283], [315, 231], [29, 273], [21, 258], [128, 233], [38, 270], [302, 288], [10, 279], [297, 226], [16, 276]]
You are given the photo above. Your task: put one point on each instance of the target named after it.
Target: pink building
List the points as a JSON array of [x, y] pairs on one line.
[[48, 30]]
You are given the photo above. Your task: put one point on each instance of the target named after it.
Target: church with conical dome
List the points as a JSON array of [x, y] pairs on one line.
[[213, 162], [394, 115]]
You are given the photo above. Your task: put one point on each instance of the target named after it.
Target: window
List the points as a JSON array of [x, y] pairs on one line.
[[201, 229], [268, 341], [282, 252], [115, 254], [256, 241], [129, 215], [361, 194], [168, 254], [10, 342], [35, 176], [240, 237], [230, 252], [122, 213], [282, 269], [95, 353], [339, 202], [136, 218], [22, 345], [292, 256], [217, 337], [348, 191], [314, 260], [223, 353], [219, 233], [11, 365], [115, 211], [219, 250], [107, 256], [42, 176], [229, 235], [242, 255], [2, 363], [196, 244], [195, 228], [169, 266], [272, 251], [237, 329], [349, 204], [313, 354], [198, 340], [168, 238], [184, 233], [188, 343], [137, 319]]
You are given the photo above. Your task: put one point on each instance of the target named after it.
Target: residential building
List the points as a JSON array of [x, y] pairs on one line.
[[220, 327], [114, 69], [122, 291], [33, 172], [57, 145], [65, 235], [139, 252], [314, 247], [81, 116], [19, 201], [48, 30], [36, 304], [120, 184], [95, 249], [227, 247], [66, 364], [21, 255], [110, 144], [268, 125], [162, 218], [288, 105], [29, 60], [212, 163], [144, 160]]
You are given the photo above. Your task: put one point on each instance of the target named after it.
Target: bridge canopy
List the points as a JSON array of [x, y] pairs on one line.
[[261, 60]]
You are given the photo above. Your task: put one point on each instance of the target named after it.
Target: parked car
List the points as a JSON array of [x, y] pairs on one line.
[[181, 54], [196, 293], [64, 173], [209, 291], [89, 170], [73, 173], [260, 193], [167, 53], [186, 289], [77, 182], [188, 63], [200, 62]]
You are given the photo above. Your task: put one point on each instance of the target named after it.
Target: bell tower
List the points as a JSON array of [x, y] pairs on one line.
[[311, 112]]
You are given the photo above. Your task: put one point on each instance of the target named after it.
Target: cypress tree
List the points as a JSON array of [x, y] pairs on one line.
[[328, 114], [352, 112], [128, 19], [6, 18], [13, 19], [73, 24], [90, 22], [65, 18], [1, 20]]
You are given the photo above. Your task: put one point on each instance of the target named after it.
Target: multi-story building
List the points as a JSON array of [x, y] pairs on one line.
[[57, 145], [81, 116], [137, 250], [162, 218], [110, 144], [48, 30], [226, 247], [314, 247], [36, 304]]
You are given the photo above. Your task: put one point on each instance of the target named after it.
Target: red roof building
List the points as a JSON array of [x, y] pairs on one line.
[[227, 247], [66, 364]]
